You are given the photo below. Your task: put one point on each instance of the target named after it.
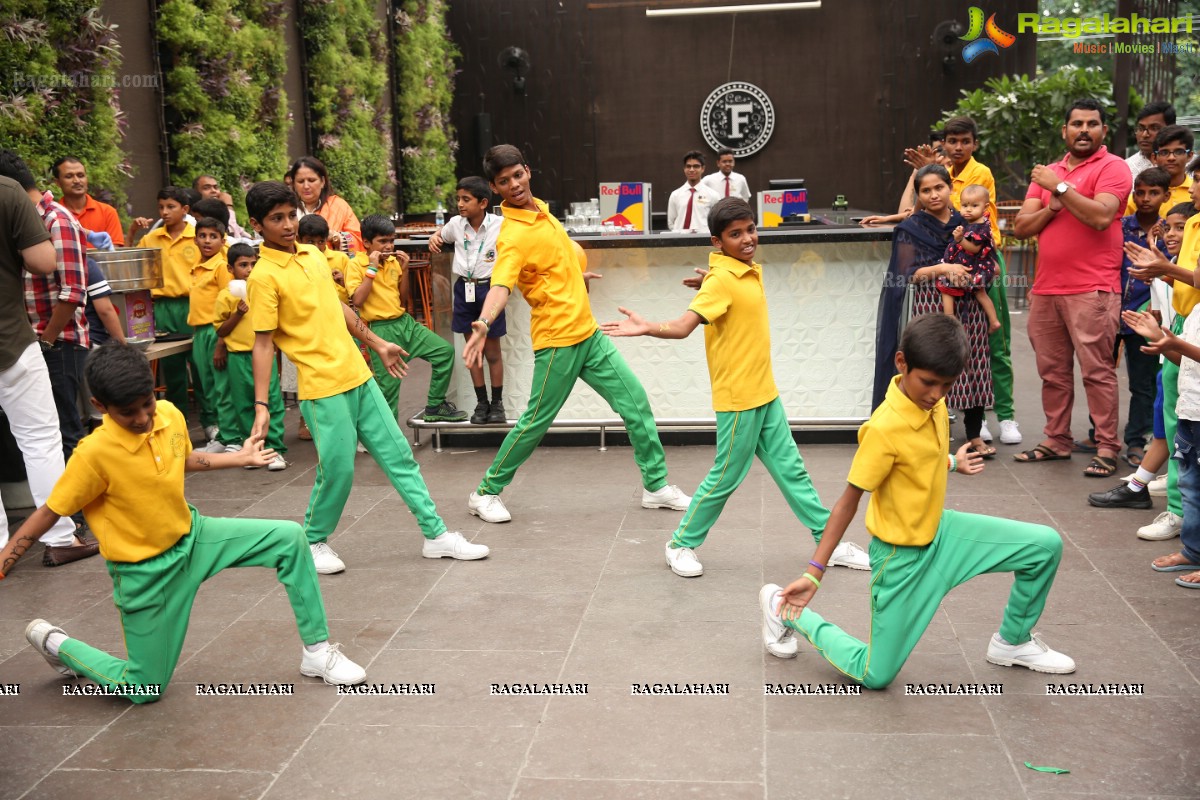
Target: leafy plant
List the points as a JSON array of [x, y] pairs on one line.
[[346, 52], [1020, 119], [424, 83], [226, 113], [59, 91]]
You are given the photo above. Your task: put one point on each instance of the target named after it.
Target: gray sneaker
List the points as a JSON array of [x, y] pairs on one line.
[[446, 412], [37, 633]]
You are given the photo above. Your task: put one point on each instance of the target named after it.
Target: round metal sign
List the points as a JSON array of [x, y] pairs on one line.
[[738, 115]]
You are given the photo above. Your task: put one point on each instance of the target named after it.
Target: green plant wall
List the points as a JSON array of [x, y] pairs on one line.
[[425, 70], [1020, 119], [59, 91], [346, 54], [226, 111]]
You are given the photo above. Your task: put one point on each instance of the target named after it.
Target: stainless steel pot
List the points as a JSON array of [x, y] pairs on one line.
[[129, 269]]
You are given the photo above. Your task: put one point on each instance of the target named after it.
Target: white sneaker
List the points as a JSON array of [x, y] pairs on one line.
[[277, 463], [453, 544], [37, 633], [1158, 486], [848, 554], [488, 507], [1165, 526], [332, 666], [211, 432], [1034, 655], [213, 446], [985, 434], [778, 638], [1009, 433], [325, 560], [683, 562], [233, 448], [362, 448], [669, 496]]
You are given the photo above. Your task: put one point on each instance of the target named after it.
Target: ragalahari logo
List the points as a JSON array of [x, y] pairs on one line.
[[997, 38]]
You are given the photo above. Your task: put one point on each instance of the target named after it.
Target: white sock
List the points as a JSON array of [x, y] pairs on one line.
[[53, 641], [318, 647], [1144, 475]]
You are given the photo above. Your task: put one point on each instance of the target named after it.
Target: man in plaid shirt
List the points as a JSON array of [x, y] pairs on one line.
[[54, 303]]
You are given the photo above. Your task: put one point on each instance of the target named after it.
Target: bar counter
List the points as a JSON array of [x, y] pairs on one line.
[[822, 284]]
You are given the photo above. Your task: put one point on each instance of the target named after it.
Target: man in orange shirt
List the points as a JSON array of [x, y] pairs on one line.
[[92, 215]]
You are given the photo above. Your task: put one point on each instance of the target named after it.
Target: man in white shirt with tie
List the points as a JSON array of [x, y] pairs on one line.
[[725, 182], [687, 208]]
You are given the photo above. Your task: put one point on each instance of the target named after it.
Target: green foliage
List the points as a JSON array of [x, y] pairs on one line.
[[226, 113], [347, 54], [425, 70], [59, 90], [1020, 119]]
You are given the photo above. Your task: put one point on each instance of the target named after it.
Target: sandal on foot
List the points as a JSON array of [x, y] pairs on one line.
[[986, 452], [1084, 447], [1185, 583], [1134, 456], [1181, 566], [1101, 467], [1039, 453]]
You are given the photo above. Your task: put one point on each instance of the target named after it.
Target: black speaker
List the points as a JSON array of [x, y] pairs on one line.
[[483, 133]]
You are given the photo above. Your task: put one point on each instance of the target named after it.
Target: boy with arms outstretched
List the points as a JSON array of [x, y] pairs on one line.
[[128, 477], [750, 416], [535, 255], [293, 304], [919, 550]]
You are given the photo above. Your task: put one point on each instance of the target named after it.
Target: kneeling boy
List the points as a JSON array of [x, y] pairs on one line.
[[128, 477], [919, 551]]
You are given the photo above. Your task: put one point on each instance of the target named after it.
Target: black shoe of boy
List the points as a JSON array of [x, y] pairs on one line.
[[446, 412], [480, 417], [496, 413], [1121, 497]]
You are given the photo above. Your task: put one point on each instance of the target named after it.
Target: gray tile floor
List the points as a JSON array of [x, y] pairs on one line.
[[576, 592]]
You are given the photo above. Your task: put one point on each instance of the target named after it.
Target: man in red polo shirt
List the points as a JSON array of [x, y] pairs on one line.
[[92, 215], [1074, 208]]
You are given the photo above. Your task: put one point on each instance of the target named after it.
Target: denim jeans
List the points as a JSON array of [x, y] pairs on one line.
[[64, 362], [1187, 457]]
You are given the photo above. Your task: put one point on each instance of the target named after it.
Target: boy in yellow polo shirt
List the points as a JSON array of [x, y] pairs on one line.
[[207, 279], [231, 322], [293, 305], [535, 254], [177, 239], [751, 420], [919, 550], [128, 477], [376, 281], [314, 230]]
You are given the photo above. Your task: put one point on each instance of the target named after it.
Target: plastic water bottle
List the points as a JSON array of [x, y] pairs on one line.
[[440, 216]]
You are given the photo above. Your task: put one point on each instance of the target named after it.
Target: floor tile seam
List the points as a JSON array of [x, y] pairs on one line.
[[570, 649], [1012, 762], [167, 770], [101, 729], [1124, 599], [666, 781]]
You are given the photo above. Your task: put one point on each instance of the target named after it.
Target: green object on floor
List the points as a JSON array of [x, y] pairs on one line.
[[1052, 770]]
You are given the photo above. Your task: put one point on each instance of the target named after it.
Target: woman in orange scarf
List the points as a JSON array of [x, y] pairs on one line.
[[310, 180]]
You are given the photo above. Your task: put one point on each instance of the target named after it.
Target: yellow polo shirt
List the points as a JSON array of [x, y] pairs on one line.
[[737, 336], [534, 254], [1178, 194], [241, 338], [384, 300], [292, 295], [974, 172], [339, 261], [901, 461], [179, 256], [130, 486], [205, 287], [1185, 297]]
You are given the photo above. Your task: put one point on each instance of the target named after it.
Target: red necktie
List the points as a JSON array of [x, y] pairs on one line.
[[687, 218], [727, 186]]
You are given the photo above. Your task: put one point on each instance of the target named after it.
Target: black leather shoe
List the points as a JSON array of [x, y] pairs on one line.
[[1121, 497], [57, 556], [480, 416], [496, 413]]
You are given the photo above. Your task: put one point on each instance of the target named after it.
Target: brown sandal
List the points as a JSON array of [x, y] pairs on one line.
[[1101, 467], [1040, 453]]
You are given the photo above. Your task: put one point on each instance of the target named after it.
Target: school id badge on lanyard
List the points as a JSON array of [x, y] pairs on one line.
[[473, 260]]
